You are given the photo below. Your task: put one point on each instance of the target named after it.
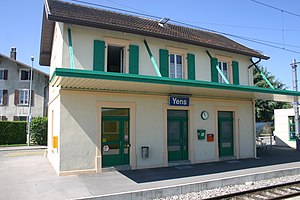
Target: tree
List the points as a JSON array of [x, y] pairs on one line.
[[264, 109]]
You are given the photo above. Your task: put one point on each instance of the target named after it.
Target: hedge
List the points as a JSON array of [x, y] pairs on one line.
[[39, 130], [12, 132]]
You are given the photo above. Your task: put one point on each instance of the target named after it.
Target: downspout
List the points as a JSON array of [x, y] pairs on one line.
[[218, 68], [152, 59], [261, 73], [71, 49]]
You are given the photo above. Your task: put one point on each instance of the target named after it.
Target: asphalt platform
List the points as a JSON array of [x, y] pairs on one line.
[[27, 174]]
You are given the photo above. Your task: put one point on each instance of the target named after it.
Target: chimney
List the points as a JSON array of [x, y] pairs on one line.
[[13, 53]]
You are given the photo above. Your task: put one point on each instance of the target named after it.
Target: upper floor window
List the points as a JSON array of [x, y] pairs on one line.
[[176, 66], [24, 74], [3, 97], [23, 97], [292, 128], [115, 59], [224, 67], [3, 74]]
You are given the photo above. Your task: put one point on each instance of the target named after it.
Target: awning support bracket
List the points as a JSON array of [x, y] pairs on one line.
[[218, 69], [261, 73], [71, 49], [152, 59]]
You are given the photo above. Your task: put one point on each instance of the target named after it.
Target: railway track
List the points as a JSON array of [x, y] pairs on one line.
[[280, 191]]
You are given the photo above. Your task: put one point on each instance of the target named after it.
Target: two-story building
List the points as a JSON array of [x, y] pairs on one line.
[[134, 92], [15, 87]]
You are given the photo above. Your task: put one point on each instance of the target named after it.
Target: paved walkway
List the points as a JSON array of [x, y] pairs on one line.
[[30, 176], [13, 148]]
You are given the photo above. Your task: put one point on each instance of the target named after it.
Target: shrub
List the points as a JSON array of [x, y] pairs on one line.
[[38, 130], [12, 132]]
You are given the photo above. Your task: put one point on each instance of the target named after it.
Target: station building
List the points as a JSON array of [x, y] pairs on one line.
[[131, 92]]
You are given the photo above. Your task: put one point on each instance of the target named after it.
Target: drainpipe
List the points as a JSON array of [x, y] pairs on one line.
[[71, 49], [261, 73], [152, 59], [218, 68]]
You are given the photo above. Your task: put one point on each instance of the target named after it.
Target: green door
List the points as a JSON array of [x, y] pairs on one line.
[[177, 135], [225, 127], [115, 137]]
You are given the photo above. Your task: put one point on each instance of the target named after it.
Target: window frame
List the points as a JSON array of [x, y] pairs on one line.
[[292, 119], [1, 97], [228, 60], [183, 53], [23, 104], [3, 72], [109, 41], [20, 75]]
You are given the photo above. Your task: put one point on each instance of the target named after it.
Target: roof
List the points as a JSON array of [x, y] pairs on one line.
[[77, 79], [22, 64], [59, 11]]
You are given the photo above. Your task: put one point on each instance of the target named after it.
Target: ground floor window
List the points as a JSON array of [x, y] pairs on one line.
[[292, 128]]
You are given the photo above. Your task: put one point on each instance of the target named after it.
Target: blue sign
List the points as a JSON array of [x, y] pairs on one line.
[[179, 101]]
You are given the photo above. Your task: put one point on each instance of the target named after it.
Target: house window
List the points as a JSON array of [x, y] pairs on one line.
[[24, 75], [3, 74], [292, 128], [176, 66], [224, 67], [1, 97], [23, 97], [115, 59]]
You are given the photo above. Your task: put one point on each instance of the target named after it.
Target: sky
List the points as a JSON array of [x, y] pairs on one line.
[[21, 26]]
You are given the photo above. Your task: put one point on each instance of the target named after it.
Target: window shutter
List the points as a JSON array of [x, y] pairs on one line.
[[133, 59], [235, 72], [16, 118], [17, 97], [5, 97], [5, 74], [4, 118], [214, 71], [164, 62], [99, 54], [191, 66], [32, 98]]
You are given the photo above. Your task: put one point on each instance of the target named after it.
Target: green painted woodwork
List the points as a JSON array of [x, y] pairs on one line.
[[90, 74], [152, 58], [99, 54], [177, 136], [164, 62], [72, 65], [133, 59], [214, 71], [225, 133], [191, 66], [264, 77], [235, 72], [119, 147]]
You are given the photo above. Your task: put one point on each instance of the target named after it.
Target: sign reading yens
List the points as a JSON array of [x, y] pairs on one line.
[[179, 101]]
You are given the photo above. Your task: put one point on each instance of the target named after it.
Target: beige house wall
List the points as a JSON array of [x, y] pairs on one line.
[[80, 128], [83, 47]]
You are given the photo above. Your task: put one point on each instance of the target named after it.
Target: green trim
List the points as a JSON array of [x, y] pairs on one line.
[[216, 65], [164, 62], [191, 66], [71, 49], [264, 77], [133, 59], [99, 53], [89, 74], [152, 59], [235, 72]]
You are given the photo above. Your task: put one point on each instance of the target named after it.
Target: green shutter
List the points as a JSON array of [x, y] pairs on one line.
[[235, 72], [214, 71], [191, 66], [164, 62], [133, 59], [99, 53]]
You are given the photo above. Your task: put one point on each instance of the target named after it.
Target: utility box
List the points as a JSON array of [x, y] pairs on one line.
[[201, 134], [55, 142], [210, 137], [145, 152]]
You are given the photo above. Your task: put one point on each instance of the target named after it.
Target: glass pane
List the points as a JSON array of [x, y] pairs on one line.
[[126, 135], [225, 114], [172, 59], [115, 112], [173, 135], [111, 131], [177, 113], [179, 71], [1, 74], [178, 59], [172, 70]]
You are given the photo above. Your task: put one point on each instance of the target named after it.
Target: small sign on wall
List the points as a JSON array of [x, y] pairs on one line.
[[179, 101]]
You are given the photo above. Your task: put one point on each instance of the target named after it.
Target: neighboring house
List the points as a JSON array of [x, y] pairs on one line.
[[14, 89], [132, 92], [285, 131]]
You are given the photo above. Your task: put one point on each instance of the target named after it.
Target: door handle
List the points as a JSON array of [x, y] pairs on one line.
[[127, 145]]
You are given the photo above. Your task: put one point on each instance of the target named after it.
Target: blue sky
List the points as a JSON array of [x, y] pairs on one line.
[[21, 25]]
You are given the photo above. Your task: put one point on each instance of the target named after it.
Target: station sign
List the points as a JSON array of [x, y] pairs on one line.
[[179, 101]]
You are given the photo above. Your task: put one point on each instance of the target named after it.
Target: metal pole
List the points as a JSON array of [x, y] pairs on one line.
[[29, 117], [296, 103]]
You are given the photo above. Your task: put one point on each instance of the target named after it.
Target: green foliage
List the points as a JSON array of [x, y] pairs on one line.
[[12, 132], [39, 130], [264, 109]]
